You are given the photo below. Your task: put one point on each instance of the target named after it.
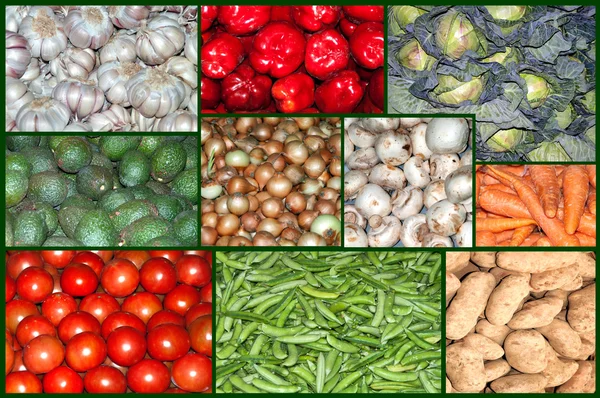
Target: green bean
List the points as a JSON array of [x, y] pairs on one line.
[[331, 383], [247, 331], [304, 374], [281, 305], [347, 381], [270, 261], [359, 311], [299, 339], [292, 358], [420, 356], [335, 369], [320, 378], [369, 280], [326, 312], [418, 341], [426, 383], [287, 286], [341, 346], [274, 388], [379, 313], [393, 376], [241, 385], [268, 303], [322, 294], [258, 344], [269, 376], [247, 316], [365, 361], [403, 351], [374, 259]]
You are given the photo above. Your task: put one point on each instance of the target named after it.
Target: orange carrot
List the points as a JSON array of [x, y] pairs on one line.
[[478, 181], [485, 238], [477, 167], [498, 187], [546, 186], [518, 170], [553, 228], [503, 203], [499, 225], [585, 240], [504, 243], [480, 213], [489, 180], [591, 169], [591, 201], [504, 235], [521, 234], [532, 239], [575, 191], [587, 223], [544, 241]]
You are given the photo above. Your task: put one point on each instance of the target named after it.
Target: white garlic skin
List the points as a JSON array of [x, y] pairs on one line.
[[141, 122], [112, 77], [73, 63], [82, 99], [155, 93], [114, 118], [88, 27], [44, 32], [191, 47], [78, 127], [183, 69], [120, 47], [180, 120], [159, 40], [43, 114], [128, 17], [17, 54], [17, 95], [14, 16], [193, 104]]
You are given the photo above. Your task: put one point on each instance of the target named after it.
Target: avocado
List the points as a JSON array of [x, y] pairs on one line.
[[41, 159], [141, 192], [30, 229], [192, 155], [115, 147], [158, 187], [79, 200], [16, 186], [132, 211], [134, 169], [48, 186], [61, 241], [73, 154], [55, 140], [185, 228], [101, 160], [9, 235], [17, 143], [96, 229], [144, 230], [69, 218], [163, 241], [150, 144], [94, 181], [168, 161], [71, 180], [113, 199], [46, 210], [168, 206], [186, 185], [18, 162]]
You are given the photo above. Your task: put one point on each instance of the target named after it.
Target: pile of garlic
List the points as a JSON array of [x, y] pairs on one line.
[[118, 68]]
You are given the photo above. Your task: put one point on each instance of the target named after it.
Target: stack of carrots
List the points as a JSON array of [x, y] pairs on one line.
[[537, 205]]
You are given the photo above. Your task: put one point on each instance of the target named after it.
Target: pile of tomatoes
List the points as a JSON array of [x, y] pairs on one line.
[[108, 322], [292, 59]]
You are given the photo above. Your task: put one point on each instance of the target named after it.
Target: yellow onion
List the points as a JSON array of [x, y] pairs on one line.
[[88, 27]]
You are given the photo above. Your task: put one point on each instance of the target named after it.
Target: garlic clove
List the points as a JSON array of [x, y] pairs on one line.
[[18, 55]]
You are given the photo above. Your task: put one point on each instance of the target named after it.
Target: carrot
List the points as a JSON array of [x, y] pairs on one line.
[[591, 169], [575, 191], [585, 240], [587, 223], [518, 170], [543, 241], [498, 187], [477, 167], [489, 180], [546, 186], [505, 235], [478, 181], [480, 213], [591, 201], [499, 225], [504, 243], [485, 238], [532, 239], [521, 234], [553, 228], [503, 203]]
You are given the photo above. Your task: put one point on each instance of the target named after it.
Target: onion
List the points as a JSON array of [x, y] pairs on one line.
[[211, 190], [245, 125], [237, 159], [311, 187], [295, 202], [306, 218], [314, 166], [238, 204], [279, 186], [272, 208], [264, 238], [250, 221], [228, 224], [295, 173], [210, 219], [208, 236], [325, 207], [263, 174], [295, 152], [311, 239], [327, 226], [262, 132], [239, 184], [239, 241], [270, 225]]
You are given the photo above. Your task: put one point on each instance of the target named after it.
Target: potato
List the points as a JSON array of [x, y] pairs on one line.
[[558, 371], [486, 346], [448, 386], [456, 260], [536, 313], [496, 369], [496, 333], [501, 273], [466, 270], [464, 368], [564, 340], [526, 351], [505, 299], [587, 266], [469, 302], [554, 279], [536, 262], [581, 314], [484, 259], [578, 382], [590, 386], [561, 294], [452, 285], [524, 383]]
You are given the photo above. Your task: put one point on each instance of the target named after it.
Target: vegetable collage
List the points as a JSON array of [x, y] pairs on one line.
[[520, 322]]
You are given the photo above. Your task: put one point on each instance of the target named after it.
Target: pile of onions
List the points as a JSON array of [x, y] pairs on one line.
[[271, 181]]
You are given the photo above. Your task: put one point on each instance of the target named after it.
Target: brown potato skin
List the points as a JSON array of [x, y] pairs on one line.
[[563, 339], [496, 369], [554, 279], [456, 260], [526, 351], [523, 383], [536, 262], [464, 368], [536, 313], [579, 381], [581, 314], [505, 299]]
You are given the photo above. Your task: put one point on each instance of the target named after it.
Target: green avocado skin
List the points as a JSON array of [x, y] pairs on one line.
[[96, 229]]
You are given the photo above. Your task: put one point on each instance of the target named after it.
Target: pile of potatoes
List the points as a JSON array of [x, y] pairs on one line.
[[520, 322]]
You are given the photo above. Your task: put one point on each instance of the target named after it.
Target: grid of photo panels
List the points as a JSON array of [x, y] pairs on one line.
[[464, 140]]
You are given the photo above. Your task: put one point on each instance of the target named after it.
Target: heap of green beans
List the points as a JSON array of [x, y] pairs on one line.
[[328, 322]]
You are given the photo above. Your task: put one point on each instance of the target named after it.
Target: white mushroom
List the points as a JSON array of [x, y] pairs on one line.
[[361, 136], [433, 240], [362, 159], [445, 218], [464, 236], [414, 229], [380, 124], [441, 165], [384, 232], [459, 185], [353, 216], [348, 146], [466, 159], [373, 200], [387, 177], [355, 236], [416, 170], [393, 147], [418, 142], [434, 192], [407, 202], [408, 122], [354, 181], [447, 135]]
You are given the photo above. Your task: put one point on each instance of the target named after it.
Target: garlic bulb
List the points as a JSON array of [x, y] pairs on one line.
[[191, 47], [178, 121], [115, 118], [78, 127], [43, 114], [159, 40], [17, 53], [10, 125], [44, 32], [128, 17], [81, 98], [112, 77], [193, 104], [43, 85], [183, 69], [141, 122], [73, 62], [14, 16], [154, 93], [88, 27], [17, 95], [32, 72], [120, 47]]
